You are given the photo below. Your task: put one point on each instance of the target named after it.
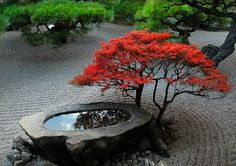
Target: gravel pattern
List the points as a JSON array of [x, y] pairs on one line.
[[36, 78]]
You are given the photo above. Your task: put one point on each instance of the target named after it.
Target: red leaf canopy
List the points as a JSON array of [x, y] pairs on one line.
[[140, 57]]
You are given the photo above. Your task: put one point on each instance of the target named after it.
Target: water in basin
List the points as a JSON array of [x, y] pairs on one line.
[[86, 120]]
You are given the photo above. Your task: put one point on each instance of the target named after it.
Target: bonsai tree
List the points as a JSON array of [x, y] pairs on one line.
[[193, 14], [140, 57], [56, 17], [158, 15]]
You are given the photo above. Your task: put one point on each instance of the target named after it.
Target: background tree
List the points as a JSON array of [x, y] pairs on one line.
[[56, 17], [158, 15], [140, 57], [186, 16], [219, 8], [124, 10]]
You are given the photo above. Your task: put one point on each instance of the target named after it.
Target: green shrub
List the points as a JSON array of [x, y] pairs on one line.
[[2, 23], [156, 11], [157, 15], [12, 2], [126, 9], [216, 23], [69, 11], [18, 16], [109, 4], [63, 14]]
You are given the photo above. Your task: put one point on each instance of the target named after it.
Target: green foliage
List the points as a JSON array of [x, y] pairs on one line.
[[157, 15], [55, 37], [69, 11], [125, 11], [150, 16], [65, 15], [2, 23], [216, 23], [155, 12], [18, 16], [109, 4], [11, 2]]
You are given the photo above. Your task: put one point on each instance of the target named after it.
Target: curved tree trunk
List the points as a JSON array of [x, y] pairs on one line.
[[225, 50], [161, 113], [228, 47], [139, 95]]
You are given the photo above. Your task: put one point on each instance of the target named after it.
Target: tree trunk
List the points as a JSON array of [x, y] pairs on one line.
[[161, 113], [139, 95], [185, 35], [227, 48]]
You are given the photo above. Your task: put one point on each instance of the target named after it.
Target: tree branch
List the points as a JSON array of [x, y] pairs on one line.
[[197, 5], [154, 95]]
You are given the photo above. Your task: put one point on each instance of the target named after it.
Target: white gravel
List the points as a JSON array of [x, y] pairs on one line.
[[36, 78]]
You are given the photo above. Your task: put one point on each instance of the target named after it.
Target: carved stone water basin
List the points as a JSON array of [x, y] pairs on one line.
[[84, 134]]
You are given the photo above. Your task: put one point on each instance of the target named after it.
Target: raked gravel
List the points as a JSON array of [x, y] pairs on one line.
[[36, 78]]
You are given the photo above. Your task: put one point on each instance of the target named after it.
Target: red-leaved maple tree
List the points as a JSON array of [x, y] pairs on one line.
[[141, 57]]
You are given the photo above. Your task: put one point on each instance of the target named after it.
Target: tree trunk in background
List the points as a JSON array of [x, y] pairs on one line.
[[228, 47], [225, 50]]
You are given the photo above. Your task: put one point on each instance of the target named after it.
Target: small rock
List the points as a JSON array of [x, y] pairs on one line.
[[10, 157], [9, 28], [17, 138], [143, 155], [148, 152], [20, 140], [19, 163], [119, 164], [26, 156], [156, 158], [123, 158], [161, 163], [39, 161], [124, 154], [21, 144], [17, 157], [162, 148], [144, 145], [133, 156], [150, 157], [135, 162], [113, 164], [15, 151], [146, 162], [140, 159], [129, 162], [151, 163], [122, 161], [107, 163], [118, 155], [137, 154]]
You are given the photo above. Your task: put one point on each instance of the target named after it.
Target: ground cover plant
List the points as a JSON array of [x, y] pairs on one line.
[[140, 57], [56, 19]]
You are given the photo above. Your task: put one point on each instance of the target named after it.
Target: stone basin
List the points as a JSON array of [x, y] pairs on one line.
[[85, 147]]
